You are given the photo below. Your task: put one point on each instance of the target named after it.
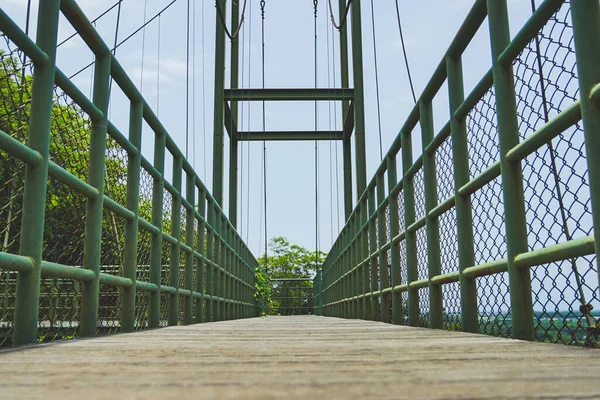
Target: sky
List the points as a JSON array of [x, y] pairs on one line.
[[155, 59]]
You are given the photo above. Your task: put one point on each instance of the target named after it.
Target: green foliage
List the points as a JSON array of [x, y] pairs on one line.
[[285, 261]]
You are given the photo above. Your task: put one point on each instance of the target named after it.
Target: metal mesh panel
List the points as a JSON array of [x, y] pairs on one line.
[[142, 298], [115, 175], [164, 310], [422, 262], [145, 193], [113, 240], [424, 317], [482, 136], [15, 100], [451, 306], [444, 168], [59, 309], [109, 305], [182, 299], [167, 211], [490, 244], [419, 186], [556, 185], [448, 241]]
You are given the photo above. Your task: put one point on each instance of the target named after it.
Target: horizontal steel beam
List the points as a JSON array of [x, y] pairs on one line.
[[288, 94], [290, 135]]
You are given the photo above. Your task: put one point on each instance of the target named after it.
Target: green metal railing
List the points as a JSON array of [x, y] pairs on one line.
[[292, 296], [491, 229], [95, 238]]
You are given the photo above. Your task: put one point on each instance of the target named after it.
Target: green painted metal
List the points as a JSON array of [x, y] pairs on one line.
[[432, 224], [93, 222], [395, 247], [157, 237], [586, 32], [219, 112], [512, 178], [409, 219], [372, 207], [464, 217], [234, 263], [294, 94], [175, 248], [384, 301], [359, 100], [34, 193], [132, 226], [290, 135], [233, 143]]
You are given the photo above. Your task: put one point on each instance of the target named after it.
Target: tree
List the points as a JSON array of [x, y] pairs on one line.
[[276, 293]]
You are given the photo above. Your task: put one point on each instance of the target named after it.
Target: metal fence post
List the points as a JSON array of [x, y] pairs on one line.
[[586, 31], [410, 237], [512, 176], [395, 247], [464, 217], [366, 287], [93, 209], [130, 247], [202, 251], [173, 315], [189, 241], [157, 220], [210, 254], [36, 177], [384, 302], [436, 318], [372, 249]]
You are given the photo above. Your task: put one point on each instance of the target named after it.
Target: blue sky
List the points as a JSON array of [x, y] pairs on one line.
[[428, 28]]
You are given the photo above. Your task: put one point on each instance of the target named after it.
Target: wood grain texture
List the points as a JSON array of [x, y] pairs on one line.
[[293, 357]]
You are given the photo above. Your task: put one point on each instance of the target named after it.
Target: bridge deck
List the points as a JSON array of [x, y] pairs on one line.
[[298, 357]]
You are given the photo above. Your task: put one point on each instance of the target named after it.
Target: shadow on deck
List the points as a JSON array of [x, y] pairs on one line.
[[303, 356]]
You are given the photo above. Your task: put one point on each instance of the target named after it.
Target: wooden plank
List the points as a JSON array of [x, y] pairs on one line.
[[293, 357]]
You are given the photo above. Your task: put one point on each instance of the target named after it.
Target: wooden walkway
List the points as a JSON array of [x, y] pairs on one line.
[[298, 357]]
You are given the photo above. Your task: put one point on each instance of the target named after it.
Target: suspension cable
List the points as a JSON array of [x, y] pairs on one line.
[[117, 4], [584, 308], [222, 19], [122, 42], [376, 81], [344, 17], [143, 48], [337, 176], [158, 71], [412, 89], [329, 104]]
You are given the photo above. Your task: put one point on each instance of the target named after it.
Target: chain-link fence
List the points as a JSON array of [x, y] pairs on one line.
[[516, 236], [105, 264]]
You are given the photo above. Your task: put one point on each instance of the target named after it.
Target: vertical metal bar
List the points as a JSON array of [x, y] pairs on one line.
[[219, 111], [157, 221], [366, 288], [190, 219], [464, 217], [202, 250], [372, 249], [395, 247], [36, 177], [359, 277], [408, 188], [586, 30], [347, 154], [131, 226], [359, 100], [512, 176], [233, 142], [210, 254], [93, 210], [436, 317], [384, 302], [175, 257]]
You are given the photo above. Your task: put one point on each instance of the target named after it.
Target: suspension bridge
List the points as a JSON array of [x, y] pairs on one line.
[[123, 275]]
